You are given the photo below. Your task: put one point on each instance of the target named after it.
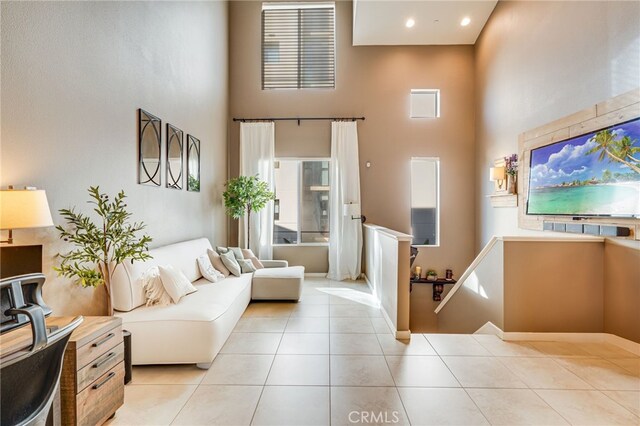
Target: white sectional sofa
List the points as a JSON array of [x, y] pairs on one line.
[[193, 330]]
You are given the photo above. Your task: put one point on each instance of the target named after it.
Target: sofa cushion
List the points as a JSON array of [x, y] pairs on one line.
[[246, 265], [217, 263], [208, 303], [278, 283], [154, 291], [288, 272], [207, 269], [126, 282], [231, 263], [248, 254], [175, 283]]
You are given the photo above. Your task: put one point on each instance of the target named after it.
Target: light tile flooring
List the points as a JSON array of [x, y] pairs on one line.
[[331, 359]]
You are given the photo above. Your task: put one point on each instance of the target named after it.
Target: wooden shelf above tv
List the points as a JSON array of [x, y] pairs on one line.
[[504, 200]]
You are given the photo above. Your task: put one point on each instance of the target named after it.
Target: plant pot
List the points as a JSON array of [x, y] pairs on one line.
[[431, 278]]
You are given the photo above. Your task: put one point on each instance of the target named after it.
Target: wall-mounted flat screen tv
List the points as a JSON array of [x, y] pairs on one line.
[[596, 174]]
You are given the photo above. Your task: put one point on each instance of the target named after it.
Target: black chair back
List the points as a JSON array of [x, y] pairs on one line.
[[29, 379]]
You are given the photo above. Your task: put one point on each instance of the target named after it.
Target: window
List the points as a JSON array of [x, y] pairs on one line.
[[425, 103], [298, 45], [301, 213], [425, 201]]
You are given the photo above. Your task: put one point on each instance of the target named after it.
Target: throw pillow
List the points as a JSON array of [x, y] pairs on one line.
[[175, 283], [231, 263], [237, 252], [216, 261], [207, 270], [154, 292], [248, 254], [246, 265]]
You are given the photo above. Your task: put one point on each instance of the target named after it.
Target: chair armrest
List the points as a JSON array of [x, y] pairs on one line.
[[275, 263]]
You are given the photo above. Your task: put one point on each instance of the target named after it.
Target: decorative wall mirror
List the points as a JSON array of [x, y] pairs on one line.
[[425, 201], [193, 164], [149, 148], [175, 142]]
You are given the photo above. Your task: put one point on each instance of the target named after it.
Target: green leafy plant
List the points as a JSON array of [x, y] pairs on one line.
[[612, 145], [100, 247], [246, 194], [432, 272]]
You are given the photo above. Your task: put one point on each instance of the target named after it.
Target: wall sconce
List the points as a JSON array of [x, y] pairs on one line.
[[23, 208], [498, 175]]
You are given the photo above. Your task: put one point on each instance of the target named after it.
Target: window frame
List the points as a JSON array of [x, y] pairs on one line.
[[438, 206], [300, 160], [298, 5]]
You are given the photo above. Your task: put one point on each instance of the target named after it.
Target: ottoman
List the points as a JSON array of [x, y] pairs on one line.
[[277, 283]]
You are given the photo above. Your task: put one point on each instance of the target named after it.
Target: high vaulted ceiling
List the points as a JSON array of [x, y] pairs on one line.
[[383, 22]]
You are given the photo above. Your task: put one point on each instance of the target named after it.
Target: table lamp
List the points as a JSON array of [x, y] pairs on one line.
[[23, 208]]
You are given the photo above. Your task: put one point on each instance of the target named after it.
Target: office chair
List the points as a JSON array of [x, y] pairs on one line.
[[29, 379]]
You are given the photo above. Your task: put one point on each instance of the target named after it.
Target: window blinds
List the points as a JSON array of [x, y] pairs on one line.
[[298, 46]]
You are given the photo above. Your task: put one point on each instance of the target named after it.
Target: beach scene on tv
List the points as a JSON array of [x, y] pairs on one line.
[[596, 174]]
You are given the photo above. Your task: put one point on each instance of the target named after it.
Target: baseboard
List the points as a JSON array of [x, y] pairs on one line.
[[490, 328], [626, 344], [366, 279], [315, 274], [621, 342]]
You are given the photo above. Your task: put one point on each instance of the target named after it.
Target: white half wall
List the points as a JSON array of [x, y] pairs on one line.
[[73, 76]]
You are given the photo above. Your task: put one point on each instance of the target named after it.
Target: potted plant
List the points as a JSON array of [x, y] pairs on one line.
[[246, 194], [511, 169], [100, 247], [432, 275]]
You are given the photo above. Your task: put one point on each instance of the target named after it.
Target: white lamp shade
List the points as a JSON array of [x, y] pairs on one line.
[[351, 209], [24, 209], [496, 173]]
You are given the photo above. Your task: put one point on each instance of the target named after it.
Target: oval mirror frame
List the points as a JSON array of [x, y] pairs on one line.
[[193, 164], [175, 158], [149, 149]]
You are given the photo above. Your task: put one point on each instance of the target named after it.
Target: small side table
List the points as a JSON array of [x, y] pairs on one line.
[[92, 381], [438, 286]]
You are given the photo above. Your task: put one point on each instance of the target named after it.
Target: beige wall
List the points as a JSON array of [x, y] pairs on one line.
[[375, 82], [73, 76], [540, 61], [622, 289], [553, 287]]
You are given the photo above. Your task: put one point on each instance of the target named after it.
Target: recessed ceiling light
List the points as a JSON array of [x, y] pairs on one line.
[[410, 23], [465, 21]]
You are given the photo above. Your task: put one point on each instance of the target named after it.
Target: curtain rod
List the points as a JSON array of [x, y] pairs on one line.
[[298, 119]]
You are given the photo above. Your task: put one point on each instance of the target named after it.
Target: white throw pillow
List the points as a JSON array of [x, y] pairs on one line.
[[175, 283], [207, 270], [154, 292]]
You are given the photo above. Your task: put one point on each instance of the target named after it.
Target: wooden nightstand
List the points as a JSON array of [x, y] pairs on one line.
[[92, 381]]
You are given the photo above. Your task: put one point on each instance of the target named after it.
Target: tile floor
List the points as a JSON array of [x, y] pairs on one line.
[[331, 359]]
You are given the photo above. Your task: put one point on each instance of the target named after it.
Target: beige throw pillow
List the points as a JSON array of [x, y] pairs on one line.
[[248, 254], [175, 283], [154, 292], [217, 262]]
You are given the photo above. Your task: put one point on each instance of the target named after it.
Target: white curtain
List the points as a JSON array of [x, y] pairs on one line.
[[345, 235], [257, 142]]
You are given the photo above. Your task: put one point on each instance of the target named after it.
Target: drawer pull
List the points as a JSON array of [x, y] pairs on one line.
[[103, 340], [104, 359], [109, 377]]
